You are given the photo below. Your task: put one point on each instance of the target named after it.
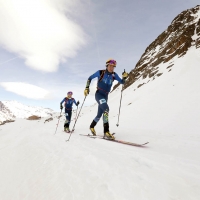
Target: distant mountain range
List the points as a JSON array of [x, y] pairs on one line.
[[10, 110]]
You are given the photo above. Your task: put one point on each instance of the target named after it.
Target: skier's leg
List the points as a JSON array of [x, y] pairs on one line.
[[104, 108], [105, 121], [65, 119], [66, 125], [96, 119], [69, 117], [98, 116], [106, 124]]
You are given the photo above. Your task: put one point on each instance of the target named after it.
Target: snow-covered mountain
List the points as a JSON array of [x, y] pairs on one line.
[[175, 42], [9, 110]]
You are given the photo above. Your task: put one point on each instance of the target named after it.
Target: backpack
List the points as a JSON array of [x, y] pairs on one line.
[[102, 72], [66, 99]]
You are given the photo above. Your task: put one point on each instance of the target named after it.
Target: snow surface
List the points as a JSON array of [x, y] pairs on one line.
[[36, 164]]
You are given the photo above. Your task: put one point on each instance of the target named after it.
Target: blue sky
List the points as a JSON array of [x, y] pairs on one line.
[[49, 47]]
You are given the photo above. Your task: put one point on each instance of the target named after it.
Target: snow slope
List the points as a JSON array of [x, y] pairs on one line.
[[36, 164]]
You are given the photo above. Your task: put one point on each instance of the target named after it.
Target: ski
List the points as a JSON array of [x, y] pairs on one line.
[[117, 141]]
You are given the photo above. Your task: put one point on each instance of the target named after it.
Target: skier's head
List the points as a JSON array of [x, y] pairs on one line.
[[69, 94], [110, 65]]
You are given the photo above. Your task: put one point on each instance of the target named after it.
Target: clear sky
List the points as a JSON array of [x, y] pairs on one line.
[[50, 47]]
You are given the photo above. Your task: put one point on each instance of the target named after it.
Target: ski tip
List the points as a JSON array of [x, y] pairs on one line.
[[145, 143]]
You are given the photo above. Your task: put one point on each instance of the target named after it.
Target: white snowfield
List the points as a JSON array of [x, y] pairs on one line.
[[14, 109], [36, 164]]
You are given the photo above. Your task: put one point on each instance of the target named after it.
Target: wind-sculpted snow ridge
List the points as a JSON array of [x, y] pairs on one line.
[[175, 42], [9, 110]]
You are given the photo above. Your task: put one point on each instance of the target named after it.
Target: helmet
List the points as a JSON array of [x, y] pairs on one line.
[[111, 61], [70, 93]]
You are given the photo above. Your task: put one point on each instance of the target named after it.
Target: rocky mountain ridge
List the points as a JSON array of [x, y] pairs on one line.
[[182, 34]]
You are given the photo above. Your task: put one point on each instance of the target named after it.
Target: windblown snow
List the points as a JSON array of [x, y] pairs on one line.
[[35, 163]]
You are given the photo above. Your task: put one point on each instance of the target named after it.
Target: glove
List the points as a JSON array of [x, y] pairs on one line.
[[124, 75], [86, 91], [61, 107], [77, 103]]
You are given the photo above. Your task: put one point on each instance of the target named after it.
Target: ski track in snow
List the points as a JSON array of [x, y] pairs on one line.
[[36, 164]]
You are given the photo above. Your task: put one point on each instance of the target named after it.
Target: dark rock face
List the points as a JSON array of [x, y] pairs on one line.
[[2, 107], [173, 42], [5, 112], [33, 117], [49, 119], [6, 121]]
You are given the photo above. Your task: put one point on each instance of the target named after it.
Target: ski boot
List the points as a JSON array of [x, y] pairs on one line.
[[109, 136], [67, 130], [93, 124], [107, 133], [93, 131]]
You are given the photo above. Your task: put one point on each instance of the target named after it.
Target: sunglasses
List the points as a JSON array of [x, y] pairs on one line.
[[112, 62]]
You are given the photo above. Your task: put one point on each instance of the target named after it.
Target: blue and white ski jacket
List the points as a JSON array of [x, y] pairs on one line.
[[68, 103], [104, 85]]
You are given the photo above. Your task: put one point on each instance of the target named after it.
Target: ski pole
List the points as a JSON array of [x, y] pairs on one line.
[[76, 119], [58, 121], [120, 105], [76, 113]]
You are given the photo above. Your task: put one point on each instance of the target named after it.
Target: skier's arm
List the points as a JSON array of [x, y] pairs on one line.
[[117, 78], [96, 74], [87, 90], [124, 75], [76, 103], [62, 101], [61, 106]]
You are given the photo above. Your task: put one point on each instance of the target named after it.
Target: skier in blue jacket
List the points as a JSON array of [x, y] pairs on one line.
[[68, 109], [104, 84]]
